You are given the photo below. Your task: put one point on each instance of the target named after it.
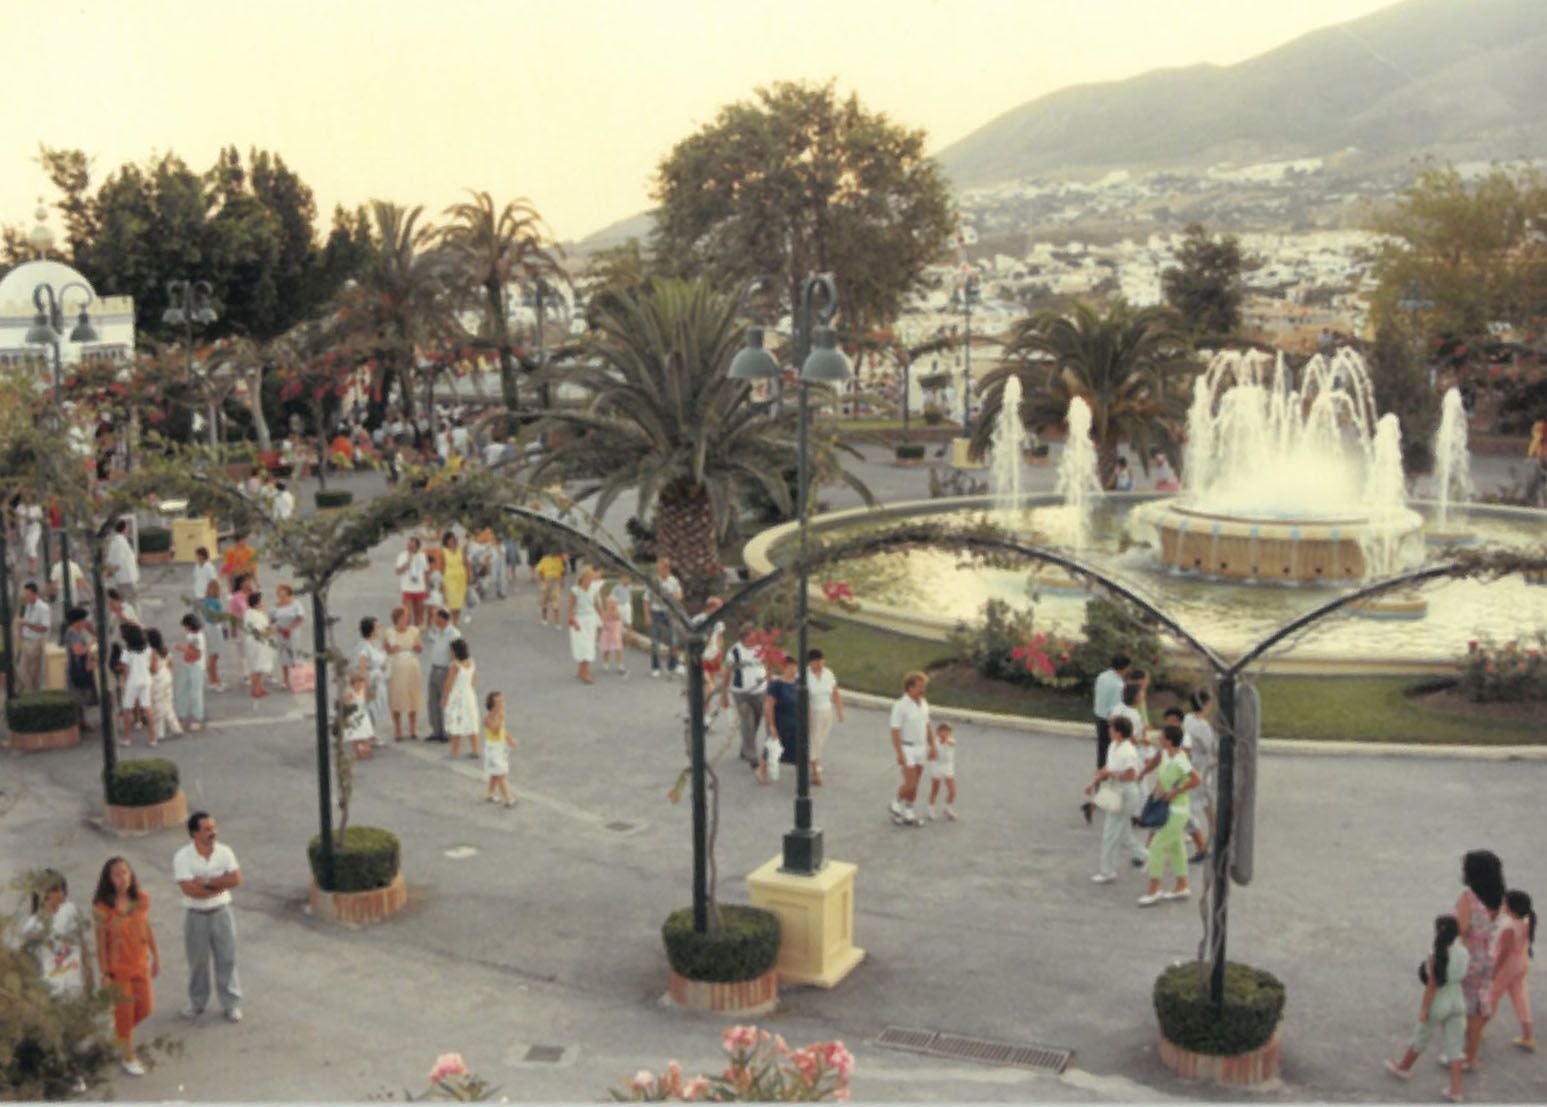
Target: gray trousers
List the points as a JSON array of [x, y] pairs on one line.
[[749, 713], [438, 675], [1117, 836], [209, 935]]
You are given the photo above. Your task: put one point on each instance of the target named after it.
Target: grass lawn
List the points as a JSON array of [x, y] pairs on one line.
[[1362, 708]]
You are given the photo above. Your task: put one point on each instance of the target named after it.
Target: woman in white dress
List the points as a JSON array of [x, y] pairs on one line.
[[138, 664], [29, 520], [459, 701], [372, 661], [256, 650], [585, 619]]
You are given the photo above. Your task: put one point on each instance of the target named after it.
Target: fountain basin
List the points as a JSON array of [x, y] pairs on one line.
[[1289, 551]]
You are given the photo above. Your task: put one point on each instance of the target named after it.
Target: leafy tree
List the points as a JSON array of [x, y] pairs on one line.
[[1204, 287], [662, 417], [797, 181], [1402, 387], [493, 250], [1476, 250], [1129, 365]]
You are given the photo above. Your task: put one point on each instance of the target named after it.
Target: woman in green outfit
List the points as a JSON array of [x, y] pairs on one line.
[[1174, 778]]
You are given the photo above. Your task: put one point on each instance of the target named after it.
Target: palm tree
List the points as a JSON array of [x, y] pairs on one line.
[[401, 298], [494, 249], [1128, 364], [662, 417]]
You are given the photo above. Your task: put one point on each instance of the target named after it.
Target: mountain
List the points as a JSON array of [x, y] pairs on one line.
[[1460, 79], [637, 226]]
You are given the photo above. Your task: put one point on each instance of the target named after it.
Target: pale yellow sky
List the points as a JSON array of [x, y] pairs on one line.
[[568, 102]]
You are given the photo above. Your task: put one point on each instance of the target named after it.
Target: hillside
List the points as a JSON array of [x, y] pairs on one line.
[[1460, 79]]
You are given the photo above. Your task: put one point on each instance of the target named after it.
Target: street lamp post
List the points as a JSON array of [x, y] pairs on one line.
[[193, 302], [48, 324], [969, 297], [816, 351]]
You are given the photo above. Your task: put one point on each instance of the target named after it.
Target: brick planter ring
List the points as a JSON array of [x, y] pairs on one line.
[[143, 820], [757, 996], [45, 739], [1241, 1070], [359, 908], [159, 557]]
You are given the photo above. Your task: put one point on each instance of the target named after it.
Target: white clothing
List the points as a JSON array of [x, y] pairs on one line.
[[78, 585], [496, 757], [944, 764], [415, 567], [819, 689], [122, 566], [582, 637], [461, 441], [671, 586], [914, 756], [284, 505], [161, 709], [189, 864], [1122, 756], [461, 713], [359, 727], [35, 613], [202, 576], [773, 749], [1201, 744], [911, 720], [59, 951], [29, 517], [1133, 716], [256, 651], [748, 676], [493, 453], [136, 691]]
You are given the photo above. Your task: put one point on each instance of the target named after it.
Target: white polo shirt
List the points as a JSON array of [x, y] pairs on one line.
[[202, 576], [37, 614], [414, 565], [189, 864], [911, 720]]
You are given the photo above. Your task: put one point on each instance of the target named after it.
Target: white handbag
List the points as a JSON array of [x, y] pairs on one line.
[[1108, 798]]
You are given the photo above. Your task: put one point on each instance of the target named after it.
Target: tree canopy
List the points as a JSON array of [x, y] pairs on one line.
[[796, 181], [1204, 286]]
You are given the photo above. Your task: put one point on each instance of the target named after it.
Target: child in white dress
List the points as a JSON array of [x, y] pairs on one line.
[[162, 710], [943, 768], [459, 701], [138, 663], [497, 744], [358, 730]]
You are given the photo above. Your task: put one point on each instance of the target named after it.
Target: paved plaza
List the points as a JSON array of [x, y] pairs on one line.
[[541, 925]]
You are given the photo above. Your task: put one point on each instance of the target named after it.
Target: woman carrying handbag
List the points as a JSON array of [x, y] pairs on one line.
[[1115, 790], [1175, 778]]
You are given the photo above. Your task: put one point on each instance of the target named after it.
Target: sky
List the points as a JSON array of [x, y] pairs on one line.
[[568, 103]]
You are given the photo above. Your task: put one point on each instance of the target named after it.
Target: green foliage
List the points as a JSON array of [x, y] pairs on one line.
[[1111, 629], [1254, 1004], [155, 539], [1515, 672], [364, 858], [743, 946], [1474, 249], [40, 712], [1204, 287], [1402, 388], [333, 497], [142, 782], [910, 451], [934, 415], [795, 181], [1523, 402], [987, 647]]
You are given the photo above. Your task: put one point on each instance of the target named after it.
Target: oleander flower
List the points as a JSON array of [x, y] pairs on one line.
[[447, 1065]]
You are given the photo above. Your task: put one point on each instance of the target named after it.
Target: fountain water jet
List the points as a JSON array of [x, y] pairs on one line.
[[1009, 444], [1452, 466], [1079, 482]]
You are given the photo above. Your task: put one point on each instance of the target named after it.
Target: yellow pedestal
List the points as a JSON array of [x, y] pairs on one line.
[[959, 458], [816, 914], [53, 667], [189, 534]]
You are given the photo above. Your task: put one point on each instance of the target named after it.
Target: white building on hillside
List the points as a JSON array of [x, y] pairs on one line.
[[36, 286]]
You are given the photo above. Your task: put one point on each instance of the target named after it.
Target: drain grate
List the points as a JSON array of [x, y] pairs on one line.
[[959, 1047], [544, 1054]]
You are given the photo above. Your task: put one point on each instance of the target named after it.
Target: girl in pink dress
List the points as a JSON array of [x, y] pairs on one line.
[[1512, 953], [611, 640], [1478, 911]]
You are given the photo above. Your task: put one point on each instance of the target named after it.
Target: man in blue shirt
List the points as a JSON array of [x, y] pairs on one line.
[[1108, 694]]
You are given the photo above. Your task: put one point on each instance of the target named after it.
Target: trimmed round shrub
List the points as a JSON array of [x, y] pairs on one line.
[[40, 712], [143, 782], [366, 859], [1039, 450], [910, 451], [744, 948], [334, 497], [155, 540], [1254, 1004]]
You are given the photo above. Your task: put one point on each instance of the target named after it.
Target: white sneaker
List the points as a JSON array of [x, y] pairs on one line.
[[949, 814], [134, 1068], [1183, 894], [234, 1015], [655, 672], [909, 818], [895, 810], [1151, 900], [1103, 878], [931, 816]]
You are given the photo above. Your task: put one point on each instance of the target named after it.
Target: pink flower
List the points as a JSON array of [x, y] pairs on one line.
[[739, 1037], [447, 1064], [1472, 645], [672, 1081], [643, 1080], [695, 1088], [780, 1044], [840, 1060], [836, 590]]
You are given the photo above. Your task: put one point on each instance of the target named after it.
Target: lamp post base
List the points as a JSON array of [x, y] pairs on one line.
[[816, 918], [802, 852]]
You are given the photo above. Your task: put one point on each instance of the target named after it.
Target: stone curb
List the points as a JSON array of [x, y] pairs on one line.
[[1063, 728]]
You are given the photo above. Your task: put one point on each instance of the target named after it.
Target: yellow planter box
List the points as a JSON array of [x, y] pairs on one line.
[[816, 915]]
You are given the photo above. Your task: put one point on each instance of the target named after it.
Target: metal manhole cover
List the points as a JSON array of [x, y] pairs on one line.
[[959, 1047], [620, 827], [544, 1054]]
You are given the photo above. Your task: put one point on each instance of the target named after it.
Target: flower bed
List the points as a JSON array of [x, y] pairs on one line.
[[1515, 672]]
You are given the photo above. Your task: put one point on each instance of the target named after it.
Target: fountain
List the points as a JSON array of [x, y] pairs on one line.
[[1079, 483], [1452, 469], [1286, 484], [1009, 443]]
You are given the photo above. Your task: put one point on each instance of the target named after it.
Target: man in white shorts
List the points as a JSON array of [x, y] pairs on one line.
[[913, 739]]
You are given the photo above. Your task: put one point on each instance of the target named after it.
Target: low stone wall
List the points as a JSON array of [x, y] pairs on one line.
[[144, 820], [745, 997], [1240, 1071], [360, 908]]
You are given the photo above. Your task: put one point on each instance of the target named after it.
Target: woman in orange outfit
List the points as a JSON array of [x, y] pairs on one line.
[[126, 952]]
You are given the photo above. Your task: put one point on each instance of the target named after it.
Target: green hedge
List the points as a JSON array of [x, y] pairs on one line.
[[155, 540], [743, 949], [334, 497], [1254, 1004], [142, 782], [40, 712], [366, 859], [910, 451]]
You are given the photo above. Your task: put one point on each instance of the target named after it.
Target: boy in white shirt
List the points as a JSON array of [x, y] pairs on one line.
[[942, 767]]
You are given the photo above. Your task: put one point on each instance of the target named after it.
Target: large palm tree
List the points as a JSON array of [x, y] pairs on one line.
[[493, 249], [1129, 364], [661, 416], [401, 298]]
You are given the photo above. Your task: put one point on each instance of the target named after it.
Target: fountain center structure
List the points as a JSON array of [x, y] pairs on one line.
[[1286, 479]]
